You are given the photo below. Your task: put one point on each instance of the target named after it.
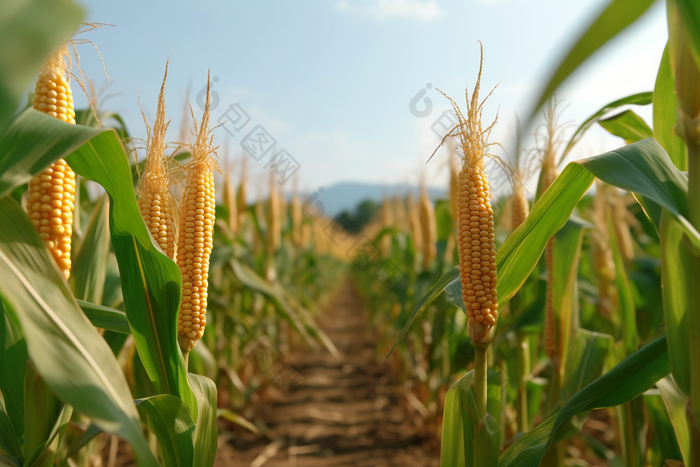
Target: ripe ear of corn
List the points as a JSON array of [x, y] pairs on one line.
[[476, 233], [155, 201], [197, 216], [51, 194], [519, 205]]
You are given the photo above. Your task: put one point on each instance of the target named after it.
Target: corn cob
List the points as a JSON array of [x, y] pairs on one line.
[[194, 246], [154, 185], [519, 206], [52, 192], [426, 214], [476, 233]]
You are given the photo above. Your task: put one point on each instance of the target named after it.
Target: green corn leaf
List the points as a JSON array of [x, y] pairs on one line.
[[9, 442], [665, 108], [676, 405], [42, 411], [690, 13], [88, 270], [628, 126], [457, 445], [13, 365], [436, 289], [88, 435], [615, 18], [643, 98], [69, 354], [170, 420], [587, 351], [676, 277], [106, 318], [206, 432], [663, 441], [465, 440], [238, 420], [566, 252]]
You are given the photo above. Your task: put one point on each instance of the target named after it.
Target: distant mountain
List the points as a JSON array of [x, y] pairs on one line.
[[347, 195]]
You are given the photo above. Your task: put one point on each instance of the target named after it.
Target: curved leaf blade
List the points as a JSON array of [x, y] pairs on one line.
[[67, 351], [642, 98], [88, 271], [13, 365], [170, 420], [628, 126], [206, 433], [664, 114], [106, 318], [615, 18]]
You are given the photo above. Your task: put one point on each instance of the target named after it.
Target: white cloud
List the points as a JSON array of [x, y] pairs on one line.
[[380, 10]]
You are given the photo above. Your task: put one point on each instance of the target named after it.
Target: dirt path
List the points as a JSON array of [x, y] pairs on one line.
[[341, 412]]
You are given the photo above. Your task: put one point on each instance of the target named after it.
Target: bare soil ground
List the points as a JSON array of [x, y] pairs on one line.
[[344, 411]]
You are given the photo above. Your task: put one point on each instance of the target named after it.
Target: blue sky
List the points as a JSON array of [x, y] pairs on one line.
[[331, 80]]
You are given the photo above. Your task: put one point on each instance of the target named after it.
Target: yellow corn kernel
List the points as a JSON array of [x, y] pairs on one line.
[[477, 252], [52, 192]]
